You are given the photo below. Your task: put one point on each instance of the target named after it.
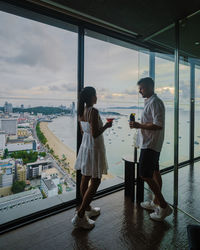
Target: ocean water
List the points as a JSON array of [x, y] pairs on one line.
[[119, 138]]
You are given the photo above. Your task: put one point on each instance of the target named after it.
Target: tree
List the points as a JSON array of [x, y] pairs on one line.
[[27, 157], [5, 155], [18, 186], [64, 157], [43, 154]]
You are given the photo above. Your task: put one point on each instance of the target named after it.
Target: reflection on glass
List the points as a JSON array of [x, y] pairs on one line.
[[37, 117], [184, 112], [113, 70], [164, 87], [197, 113]]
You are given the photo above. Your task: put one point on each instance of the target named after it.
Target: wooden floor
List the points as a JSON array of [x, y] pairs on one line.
[[121, 225]]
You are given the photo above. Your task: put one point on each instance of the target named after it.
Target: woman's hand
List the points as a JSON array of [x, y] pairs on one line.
[[108, 125]]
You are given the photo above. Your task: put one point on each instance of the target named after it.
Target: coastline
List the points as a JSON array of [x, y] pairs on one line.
[[58, 146]]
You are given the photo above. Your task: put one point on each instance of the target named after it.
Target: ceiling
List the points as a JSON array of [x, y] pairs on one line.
[[148, 20], [144, 19]]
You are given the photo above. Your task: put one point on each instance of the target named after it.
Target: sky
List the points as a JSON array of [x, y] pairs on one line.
[[38, 66]]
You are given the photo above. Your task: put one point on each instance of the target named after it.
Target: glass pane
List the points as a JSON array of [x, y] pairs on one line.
[[38, 123], [164, 80], [197, 113], [164, 83], [112, 67], [184, 111], [189, 77]]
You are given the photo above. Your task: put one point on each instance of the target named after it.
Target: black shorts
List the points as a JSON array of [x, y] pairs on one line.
[[148, 162]]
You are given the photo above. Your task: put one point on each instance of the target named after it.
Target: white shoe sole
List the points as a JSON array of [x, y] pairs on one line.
[[148, 208], [161, 219]]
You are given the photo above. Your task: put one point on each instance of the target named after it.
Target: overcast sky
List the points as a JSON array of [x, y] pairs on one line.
[[38, 66]]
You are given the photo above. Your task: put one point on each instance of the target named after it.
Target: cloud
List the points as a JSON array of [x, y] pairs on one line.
[[131, 91], [54, 88], [71, 87]]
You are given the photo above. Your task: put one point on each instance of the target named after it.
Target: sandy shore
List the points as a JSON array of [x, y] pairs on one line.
[[60, 148]]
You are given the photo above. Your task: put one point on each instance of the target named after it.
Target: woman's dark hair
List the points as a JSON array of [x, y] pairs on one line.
[[85, 98]]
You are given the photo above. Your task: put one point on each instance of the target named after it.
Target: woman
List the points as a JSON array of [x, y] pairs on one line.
[[91, 159]]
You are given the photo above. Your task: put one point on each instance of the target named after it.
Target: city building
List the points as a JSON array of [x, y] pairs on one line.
[[23, 133], [20, 199], [8, 108], [7, 173], [2, 142], [73, 108], [49, 185], [63, 107], [20, 146], [9, 126], [21, 172], [35, 169]]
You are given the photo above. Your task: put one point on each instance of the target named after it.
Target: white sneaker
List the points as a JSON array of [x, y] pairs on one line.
[[149, 205], [94, 211], [161, 213], [84, 222]]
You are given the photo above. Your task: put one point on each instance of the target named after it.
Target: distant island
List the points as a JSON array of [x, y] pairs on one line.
[[109, 113], [41, 109], [130, 107]]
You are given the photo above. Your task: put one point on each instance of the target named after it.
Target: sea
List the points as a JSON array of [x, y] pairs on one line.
[[119, 140]]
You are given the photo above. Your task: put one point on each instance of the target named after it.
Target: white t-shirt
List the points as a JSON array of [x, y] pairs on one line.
[[154, 112]]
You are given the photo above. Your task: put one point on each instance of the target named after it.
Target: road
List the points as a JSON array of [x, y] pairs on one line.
[[67, 178]]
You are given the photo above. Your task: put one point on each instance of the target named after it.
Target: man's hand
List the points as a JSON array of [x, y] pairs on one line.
[[134, 125]]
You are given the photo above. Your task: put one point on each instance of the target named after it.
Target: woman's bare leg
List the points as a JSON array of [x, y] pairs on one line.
[[87, 198], [84, 186]]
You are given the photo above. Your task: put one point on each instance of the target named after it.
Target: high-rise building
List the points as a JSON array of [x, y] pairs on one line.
[[7, 171], [49, 185], [9, 126], [8, 108], [73, 108], [2, 142], [35, 169], [21, 172]]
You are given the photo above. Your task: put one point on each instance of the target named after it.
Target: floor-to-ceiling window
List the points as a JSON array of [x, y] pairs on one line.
[[164, 87], [197, 113], [37, 115], [112, 67], [184, 111]]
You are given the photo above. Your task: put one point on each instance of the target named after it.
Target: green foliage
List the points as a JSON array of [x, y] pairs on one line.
[[43, 110], [40, 135], [43, 194], [27, 157], [5, 154], [60, 190], [18, 186], [51, 151], [43, 154]]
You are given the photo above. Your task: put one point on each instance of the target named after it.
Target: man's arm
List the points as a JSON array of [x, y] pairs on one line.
[[148, 126]]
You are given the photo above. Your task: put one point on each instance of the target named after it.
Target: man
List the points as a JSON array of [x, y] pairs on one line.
[[151, 136]]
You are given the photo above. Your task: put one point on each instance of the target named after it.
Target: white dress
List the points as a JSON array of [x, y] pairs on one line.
[[91, 159]]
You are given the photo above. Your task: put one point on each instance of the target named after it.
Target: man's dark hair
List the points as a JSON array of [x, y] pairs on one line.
[[147, 81]]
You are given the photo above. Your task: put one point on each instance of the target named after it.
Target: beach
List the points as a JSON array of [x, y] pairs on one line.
[[58, 146]]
